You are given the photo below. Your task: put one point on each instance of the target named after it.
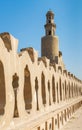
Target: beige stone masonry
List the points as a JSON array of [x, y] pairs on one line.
[[31, 88]]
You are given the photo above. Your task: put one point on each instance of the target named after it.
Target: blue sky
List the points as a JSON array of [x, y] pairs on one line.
[[25, 20]]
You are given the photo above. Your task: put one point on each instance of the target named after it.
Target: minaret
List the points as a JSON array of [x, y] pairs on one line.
[[49, 43]]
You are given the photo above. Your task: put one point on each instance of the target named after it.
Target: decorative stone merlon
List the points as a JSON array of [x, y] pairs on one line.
[[53, 65], [6, 40], [30, 52], [65, 72], [60, 69], [45, 61]]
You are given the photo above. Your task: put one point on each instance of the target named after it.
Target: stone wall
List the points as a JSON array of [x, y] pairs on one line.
[[34, 94]]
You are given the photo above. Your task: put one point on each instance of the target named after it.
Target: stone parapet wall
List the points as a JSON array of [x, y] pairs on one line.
[[32, 87]]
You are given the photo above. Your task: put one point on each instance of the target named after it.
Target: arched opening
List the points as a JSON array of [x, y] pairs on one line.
[[58, 120], [53, 123], [69, 90], [49, 33], [15, 87], [49, 93], [53, 89], [65, 90], [72, 89], [60, 89], [68, 113], [43, 89], [50, 126], [57, 94], [2, 89], [36, 88], [62, 117], [46, 126], [27, 89], [79, 91], [65, 115], [75, 90]]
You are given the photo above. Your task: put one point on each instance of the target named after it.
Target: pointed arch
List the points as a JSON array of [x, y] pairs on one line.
[[72, 89], [49, 93], [60, 85], [53, 89], [36, 89], [2, 89], [43, 88], [69, 90], [57, 94], [27, 89], [65, 90], [15, 87]]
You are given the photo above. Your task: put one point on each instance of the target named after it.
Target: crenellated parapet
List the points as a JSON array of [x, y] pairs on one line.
[[30, 84]]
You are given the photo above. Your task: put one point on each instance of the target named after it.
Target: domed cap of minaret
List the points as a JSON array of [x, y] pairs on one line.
[[50, 13]]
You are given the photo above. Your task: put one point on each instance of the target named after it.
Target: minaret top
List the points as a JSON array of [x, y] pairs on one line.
[[49, 43], [50, 13], [50, 26]]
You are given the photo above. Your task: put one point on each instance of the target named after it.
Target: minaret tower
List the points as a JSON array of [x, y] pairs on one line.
[[49, 43]]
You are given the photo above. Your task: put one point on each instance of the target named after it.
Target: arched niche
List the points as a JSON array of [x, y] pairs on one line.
[[43, 89], [49, 93], [60, 86], [15, 85], [2, 90], [53, 89], [57, 93], [72, 89], [27, 89], [65, 90], [36, 89], [69, 89]]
